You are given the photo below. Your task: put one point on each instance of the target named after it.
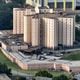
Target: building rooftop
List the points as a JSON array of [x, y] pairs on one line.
[[6, 32], [12, 40]]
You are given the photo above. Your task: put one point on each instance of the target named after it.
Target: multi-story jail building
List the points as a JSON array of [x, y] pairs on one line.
[[66, 31], [18, 19], [50, 39], [44, 30], [35, 31]]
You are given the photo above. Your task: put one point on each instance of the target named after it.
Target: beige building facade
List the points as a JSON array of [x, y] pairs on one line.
[[44, 31], [50, 32], [18, 20], [35, 31], [66, 31], [27, 28], [32, 30]]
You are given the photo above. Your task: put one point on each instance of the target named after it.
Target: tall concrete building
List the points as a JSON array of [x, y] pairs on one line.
[[63, 4], [27, 28], [32, 30], [50, 33], [35, 31], [46, 30], [18, 20], [66, 31]]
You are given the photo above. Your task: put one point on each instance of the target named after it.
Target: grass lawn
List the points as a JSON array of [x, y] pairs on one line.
[[13, 66], [6, 61], [56, 73], [72, 56]]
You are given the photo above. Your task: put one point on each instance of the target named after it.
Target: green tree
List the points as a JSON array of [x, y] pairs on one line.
[[77, 19], [5, 69], [20, 78], [20, 2], [77, 34], [63, 77], [74, 79], [6, 15], [44, 74]]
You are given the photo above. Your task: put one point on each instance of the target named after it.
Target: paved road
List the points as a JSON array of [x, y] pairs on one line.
[[65, 50]]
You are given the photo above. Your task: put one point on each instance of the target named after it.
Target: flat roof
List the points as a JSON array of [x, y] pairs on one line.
[[6, 32], [13, 40]]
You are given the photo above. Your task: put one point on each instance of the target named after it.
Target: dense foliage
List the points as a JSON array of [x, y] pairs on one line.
[[77, 19], [61, 77], [6, 13], [44, 74], [21, 2], [77, 34], [19, 78], [49, 75], [5, 69]]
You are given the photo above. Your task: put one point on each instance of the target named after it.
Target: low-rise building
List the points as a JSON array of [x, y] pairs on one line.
[[26, 62], [13, 43]]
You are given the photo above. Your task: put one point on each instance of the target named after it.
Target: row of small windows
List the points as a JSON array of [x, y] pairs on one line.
[[60, 5]]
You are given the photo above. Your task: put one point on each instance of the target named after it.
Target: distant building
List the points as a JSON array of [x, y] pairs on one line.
[[29, 2], [44, 3], [45, 10], [38, 3], [78, 4], [63, 4]]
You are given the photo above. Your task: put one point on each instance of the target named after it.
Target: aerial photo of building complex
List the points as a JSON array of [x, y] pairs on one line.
[[44, 31]]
